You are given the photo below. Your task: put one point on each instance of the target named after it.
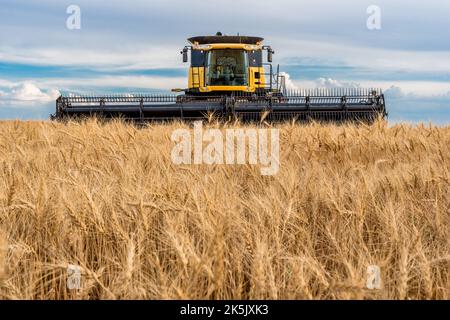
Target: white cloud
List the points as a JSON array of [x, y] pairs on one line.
[[394, 92], [332, 83], [5, 84], [30, 92], [27, 92], [290, 85]]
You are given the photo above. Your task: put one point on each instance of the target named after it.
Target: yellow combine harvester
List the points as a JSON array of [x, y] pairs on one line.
[[229, 78]]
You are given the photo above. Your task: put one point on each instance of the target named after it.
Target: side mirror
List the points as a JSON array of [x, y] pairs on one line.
[[270, 55], [185, 55]]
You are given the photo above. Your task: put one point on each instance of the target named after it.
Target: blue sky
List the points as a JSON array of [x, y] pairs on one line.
[[134, 46]]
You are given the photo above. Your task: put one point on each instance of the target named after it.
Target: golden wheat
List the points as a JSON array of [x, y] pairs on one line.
[[107, 198]]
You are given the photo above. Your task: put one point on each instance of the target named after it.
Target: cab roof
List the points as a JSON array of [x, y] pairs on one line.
[[225, 39]]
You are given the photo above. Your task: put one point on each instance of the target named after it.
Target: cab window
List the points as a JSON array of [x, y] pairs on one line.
[[227, 67]]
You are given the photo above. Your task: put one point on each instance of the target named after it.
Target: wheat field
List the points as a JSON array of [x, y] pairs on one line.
[[107, 198]]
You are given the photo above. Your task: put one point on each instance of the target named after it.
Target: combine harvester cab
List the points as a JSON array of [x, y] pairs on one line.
[[228, 79]]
